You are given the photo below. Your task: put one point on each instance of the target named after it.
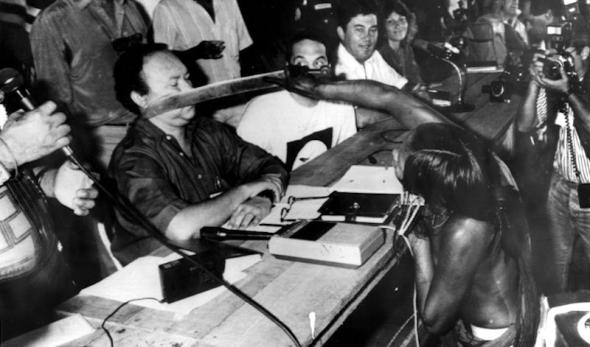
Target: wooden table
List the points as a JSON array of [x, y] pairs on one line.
[[290, 290]]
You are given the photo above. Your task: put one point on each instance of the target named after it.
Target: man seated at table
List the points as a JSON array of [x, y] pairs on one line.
[[182, 171], [293, 127], [472, 249], [297, 128]]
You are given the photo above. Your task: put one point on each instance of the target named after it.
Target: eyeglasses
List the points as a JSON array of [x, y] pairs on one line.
[[292, 200]]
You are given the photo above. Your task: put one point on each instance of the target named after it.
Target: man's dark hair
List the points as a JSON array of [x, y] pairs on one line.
[[349, 9], [300, 36], [127, 73], [451, 168]]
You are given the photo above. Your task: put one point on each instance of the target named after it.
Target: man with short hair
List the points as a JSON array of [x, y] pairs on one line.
[[182, 171], [293, 127], [75, 45], [357, 55]]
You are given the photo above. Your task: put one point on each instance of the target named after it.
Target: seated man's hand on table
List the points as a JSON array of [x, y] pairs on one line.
[[250, 212]]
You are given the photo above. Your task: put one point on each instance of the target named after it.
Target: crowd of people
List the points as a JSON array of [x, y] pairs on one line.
[[104, 63]]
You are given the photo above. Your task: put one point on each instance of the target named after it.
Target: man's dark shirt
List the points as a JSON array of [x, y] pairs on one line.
[[152, 171]]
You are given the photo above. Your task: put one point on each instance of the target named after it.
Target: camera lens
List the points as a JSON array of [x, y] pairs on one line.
[[497, 88]]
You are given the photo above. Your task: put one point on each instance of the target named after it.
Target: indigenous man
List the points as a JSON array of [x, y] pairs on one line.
[[471, 249]]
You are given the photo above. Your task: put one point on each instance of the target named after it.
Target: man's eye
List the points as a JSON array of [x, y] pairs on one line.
[[319, 63]]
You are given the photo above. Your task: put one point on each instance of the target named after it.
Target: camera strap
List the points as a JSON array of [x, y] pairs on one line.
[[570, 142], [541, 105]]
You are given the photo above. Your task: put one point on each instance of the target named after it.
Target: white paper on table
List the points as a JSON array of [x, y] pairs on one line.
[[301, 209], [141, 278], [54, 334], [369, 179]]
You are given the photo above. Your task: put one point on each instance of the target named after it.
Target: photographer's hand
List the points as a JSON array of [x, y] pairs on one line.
[[561, 85]]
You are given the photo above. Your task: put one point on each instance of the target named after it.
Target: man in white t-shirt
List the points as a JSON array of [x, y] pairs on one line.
[[357, 57], [292, 127]]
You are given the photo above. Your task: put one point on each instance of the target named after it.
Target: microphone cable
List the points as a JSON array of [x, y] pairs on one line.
[[125, 207]]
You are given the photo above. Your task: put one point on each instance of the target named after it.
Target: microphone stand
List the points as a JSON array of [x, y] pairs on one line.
[[460, 106]]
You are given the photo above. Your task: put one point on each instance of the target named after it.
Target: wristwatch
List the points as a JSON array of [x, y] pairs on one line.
[[4, 174]]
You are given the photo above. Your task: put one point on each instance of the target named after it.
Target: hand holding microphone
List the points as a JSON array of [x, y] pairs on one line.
[[37, 132]]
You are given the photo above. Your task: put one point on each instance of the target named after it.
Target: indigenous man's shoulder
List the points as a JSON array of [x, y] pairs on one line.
[[466, 228]]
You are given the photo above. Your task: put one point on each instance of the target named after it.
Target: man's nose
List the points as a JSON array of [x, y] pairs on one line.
[[185, 85]]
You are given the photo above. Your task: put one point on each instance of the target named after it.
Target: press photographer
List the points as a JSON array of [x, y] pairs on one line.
[[555, 118], [513, 80]]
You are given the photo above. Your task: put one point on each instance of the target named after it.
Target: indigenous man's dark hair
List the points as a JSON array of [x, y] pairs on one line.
[[349, 9], [127, 73], [451, 168]]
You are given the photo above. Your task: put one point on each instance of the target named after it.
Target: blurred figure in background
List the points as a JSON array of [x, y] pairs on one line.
[[218, 24]]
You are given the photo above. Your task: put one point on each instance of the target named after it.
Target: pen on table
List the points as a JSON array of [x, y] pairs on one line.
[[271, 225]]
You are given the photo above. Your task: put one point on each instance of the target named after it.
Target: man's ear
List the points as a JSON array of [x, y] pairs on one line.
[[340, 33], [585, 53], [139, 100]]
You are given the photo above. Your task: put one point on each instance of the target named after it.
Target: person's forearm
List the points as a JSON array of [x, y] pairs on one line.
[[424, 272], [214, 212], [527, 111], [406, 109], [6, 157]]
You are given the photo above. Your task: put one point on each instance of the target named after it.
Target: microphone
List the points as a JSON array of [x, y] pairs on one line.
[[12, 88]]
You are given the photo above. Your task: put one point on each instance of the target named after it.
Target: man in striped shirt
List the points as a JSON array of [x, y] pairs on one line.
[[559, 115]]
